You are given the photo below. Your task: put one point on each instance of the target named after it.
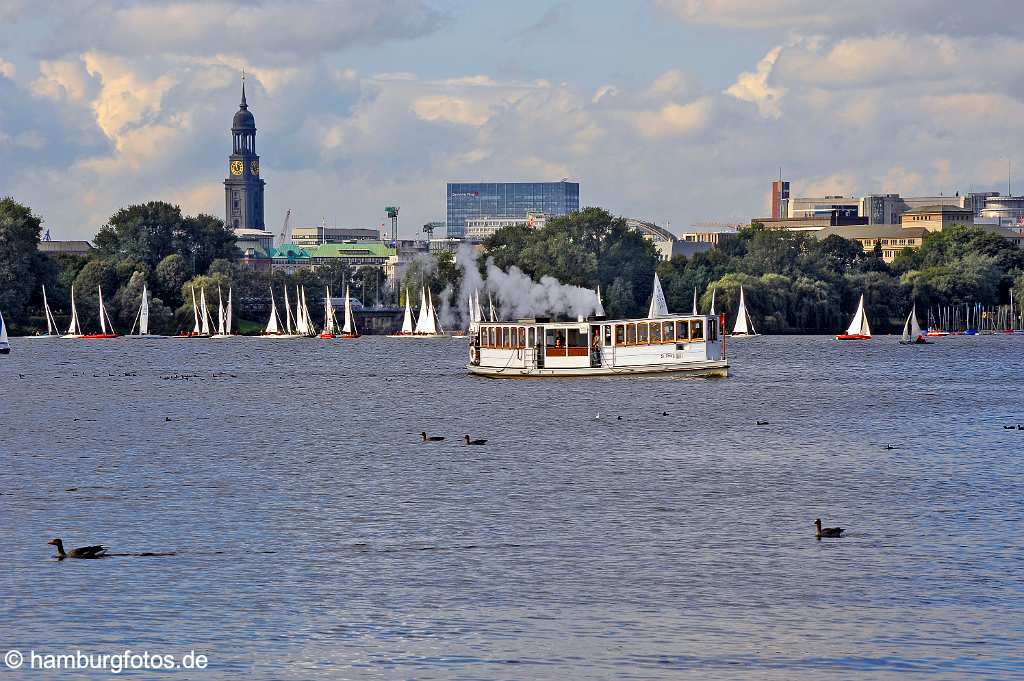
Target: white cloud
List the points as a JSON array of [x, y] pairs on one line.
[[7, 69], [63, 78], [673, 119], [754, 87]]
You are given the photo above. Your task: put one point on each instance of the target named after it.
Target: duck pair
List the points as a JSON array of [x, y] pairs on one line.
[[439, 438]]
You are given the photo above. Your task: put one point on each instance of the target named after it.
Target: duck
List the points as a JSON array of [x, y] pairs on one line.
[[762, 423], [891, 447], [664, 413], [98, 551], [475, 442], [828, 532], [431, 438]]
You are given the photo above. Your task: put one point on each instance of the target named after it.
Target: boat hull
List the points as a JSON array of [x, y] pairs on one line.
[[852, 336], [5, 351], [99, 336], [418, 335], [710, 368]]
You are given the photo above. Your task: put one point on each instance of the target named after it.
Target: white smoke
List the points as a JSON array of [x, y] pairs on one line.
[[516, 295]]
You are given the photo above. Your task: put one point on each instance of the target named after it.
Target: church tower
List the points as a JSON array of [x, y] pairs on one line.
[[243, 189]]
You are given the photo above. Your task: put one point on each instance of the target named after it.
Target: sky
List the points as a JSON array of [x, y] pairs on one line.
[[676, 111]]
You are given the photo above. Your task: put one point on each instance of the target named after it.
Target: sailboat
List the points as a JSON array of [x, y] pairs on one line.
[[75, 329], [273, 328], [330, 318], [407, 324], [426, 321], [744, 324], [912, 334], [5, 345], [305, 320], [712, 313], [142, 318], [223, 316], [695, 313], [201, 322], [859, 328], [106, 326], [490, 302], [659, 306], [51, 325], [349, 330]]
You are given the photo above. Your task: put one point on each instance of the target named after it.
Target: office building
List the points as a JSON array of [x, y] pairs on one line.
[[820, 206], [891, 239], [478, 229], [780, 193], [1007, 210], [937, 217], [475, 200], [314, 236]]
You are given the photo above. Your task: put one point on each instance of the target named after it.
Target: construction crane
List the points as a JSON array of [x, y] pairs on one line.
[[284, 236], [392, 212]]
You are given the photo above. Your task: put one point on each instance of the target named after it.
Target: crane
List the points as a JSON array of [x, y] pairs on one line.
[[284, 236]]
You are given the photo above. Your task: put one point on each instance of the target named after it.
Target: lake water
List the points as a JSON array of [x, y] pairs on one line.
[[317, 538]]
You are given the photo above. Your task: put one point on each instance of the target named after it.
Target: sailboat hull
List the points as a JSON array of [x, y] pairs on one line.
[[144, 335], [99, 336], [5, 350], [852, 336]]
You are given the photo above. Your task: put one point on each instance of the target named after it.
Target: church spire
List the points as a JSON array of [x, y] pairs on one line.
[[243, 105]]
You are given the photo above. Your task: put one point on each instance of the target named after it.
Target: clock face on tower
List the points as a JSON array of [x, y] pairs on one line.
[[254, 166], [237, 167]]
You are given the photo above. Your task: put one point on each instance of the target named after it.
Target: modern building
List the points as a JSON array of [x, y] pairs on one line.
[[475, 200], [891, 238], [935, 218], [820, 206], [478, 229], [243, 188], [713, 238], [780, 193], [1008, 210], [811, 223], [314, 236]]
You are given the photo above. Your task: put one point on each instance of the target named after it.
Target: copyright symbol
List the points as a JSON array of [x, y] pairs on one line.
[[14, 659]]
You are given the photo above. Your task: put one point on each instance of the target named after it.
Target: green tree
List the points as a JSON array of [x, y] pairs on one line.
[[20, 259], [171, 274]]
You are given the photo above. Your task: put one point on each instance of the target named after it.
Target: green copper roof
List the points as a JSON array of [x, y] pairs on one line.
[[290, 251]]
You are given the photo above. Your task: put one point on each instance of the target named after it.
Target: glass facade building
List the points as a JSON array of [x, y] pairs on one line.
[[474, 200]]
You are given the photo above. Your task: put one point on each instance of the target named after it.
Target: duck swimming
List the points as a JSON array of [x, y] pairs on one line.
[[827, 532], [97, 551], [431, 438], [475, 442]]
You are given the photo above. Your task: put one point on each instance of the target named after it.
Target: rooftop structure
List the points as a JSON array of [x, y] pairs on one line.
[[314, 236], [50, 247], [482, 228], [935, 218]]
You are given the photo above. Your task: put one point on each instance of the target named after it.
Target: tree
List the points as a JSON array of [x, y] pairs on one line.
[[20, 259], [171, 274]]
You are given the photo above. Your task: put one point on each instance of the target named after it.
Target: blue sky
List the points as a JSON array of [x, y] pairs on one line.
[[677, 111]]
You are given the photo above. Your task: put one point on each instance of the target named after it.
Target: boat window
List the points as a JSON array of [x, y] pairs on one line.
[[713, 332], [555, 338], [494, 337], [668, 332], [696, 330], [641, 334], [620, 334], [607, 328], [576, 338], [505, 337], [531, 335], [655, 332], [630, 334], [682, 331]]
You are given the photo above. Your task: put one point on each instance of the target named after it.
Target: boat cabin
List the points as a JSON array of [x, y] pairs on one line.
[[597, 345]]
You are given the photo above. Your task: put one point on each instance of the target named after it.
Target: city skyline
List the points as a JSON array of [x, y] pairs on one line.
[[672, 111]]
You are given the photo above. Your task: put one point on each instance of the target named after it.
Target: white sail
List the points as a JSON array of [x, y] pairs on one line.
[[195, 311], [288, 328], [915, 328], [330, 321], [599, 311], [744, 325], [272, 324], [478, 306], [4, 344], [74, 329], [227, 315], [407, 319], [301, 315], [695, 301], [712, 313], [220, 313], [205, 312], [105, 322], [421, 320], [51, 325], [350, 321], [490, 302], [144, 314], [859, 326], [658, 308], [431, 324]]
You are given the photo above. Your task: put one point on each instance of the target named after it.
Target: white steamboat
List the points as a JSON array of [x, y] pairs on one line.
[[659, 344]]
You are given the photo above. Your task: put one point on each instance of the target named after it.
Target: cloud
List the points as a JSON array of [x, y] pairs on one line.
[[64, 78], [7, 69], [287, 30], [754, 87], [673, 119], [813, 16]]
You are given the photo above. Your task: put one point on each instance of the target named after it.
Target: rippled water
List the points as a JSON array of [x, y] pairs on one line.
[[316, 538]]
